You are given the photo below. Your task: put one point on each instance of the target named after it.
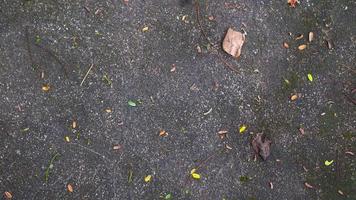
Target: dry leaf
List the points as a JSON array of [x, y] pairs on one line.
[[70, 188], [215, 85], [340, 192], [285, 45], [116, 147], [271, 185], [228, 147], [8, 195], [148, 178], [300, 36], [301, 130], [330, 44], [305, 169], [199, 49], [350, 153], [308, 185], [211, 18], [222, 134], [74, 124], [293, 3], [173, 69], [108, 110], [45, 87], [126, 1], [294, 97], [145, 29], [302, 47], [261, 145], [311, 36], [233, 42], [163, 133]]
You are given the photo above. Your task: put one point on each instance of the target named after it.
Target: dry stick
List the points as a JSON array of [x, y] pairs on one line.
[[92, 65], [197, 11], [209, 158]]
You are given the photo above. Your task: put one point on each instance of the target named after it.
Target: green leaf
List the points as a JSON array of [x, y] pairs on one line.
[[327, 163], [168, 196], [132, 103], [310, 77]]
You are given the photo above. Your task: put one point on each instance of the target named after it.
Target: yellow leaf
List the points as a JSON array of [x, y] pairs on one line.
[[310, 77], [45, 87], [242, 128], [196, 176], [148, 178], [67, 138], [145, 29], [327, 163]]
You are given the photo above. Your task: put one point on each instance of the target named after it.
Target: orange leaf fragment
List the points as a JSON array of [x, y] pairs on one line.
[[163, 133], [70, 188], [293, 3]]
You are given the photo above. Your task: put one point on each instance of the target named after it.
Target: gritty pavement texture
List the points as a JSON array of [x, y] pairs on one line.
[[55, 42]]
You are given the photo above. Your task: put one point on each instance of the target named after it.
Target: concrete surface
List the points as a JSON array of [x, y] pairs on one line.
[[62, 39]]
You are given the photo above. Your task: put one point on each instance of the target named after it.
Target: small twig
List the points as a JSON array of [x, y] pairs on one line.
[[92, 65], [209, 158], [50, 165]]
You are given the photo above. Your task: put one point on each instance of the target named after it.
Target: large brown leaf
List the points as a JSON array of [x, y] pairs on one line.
[[233, 42], [261, 145]]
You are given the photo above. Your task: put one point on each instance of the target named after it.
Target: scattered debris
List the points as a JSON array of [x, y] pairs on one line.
[[271, 185], [301, 130], [74, 124], [163, 133], [208, 112], [148, 178], [8, 195], [145, 29], [107, 80], [117, 147], [195, 176], [308, 185], [70, 188], [302, 47], [285, 45], [349, 153], [86, 75], [311, 36], [294, 97], [199, 49], [168, 196], [244, 179], [242, 128], [45, 87], [50, 166], [261, 145], [233, 42], [293, 3], [300, 36], [228, 147], [173, 69], [327, 163], [222, 134], [132, 103]]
